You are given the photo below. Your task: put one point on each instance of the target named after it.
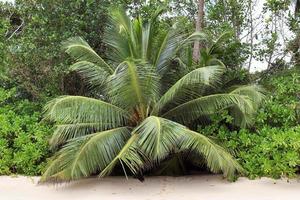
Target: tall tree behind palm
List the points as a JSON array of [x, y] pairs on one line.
[[134, 123], [297, 6], [199, 27]]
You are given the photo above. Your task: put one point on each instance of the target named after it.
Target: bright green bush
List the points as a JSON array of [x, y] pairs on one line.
[[23, 138], [282, 102], [272, 147], [269, 151]]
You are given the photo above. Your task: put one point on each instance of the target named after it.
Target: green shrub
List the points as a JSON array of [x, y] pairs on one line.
[[272, 147], [282, 102], [269, 151], [23, 138]]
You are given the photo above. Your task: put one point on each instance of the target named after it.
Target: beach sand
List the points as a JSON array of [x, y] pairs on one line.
[[206, 187]]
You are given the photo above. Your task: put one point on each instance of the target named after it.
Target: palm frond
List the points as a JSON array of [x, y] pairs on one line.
[[134, 86], [122, 37], [207, 105], [196, 36], [148, 30], [77, 116], [256, 95], [190, 84], [129, 156], [220, 41], [254, 92], [92, 73], [86, 155], [217, 159], [77, 109], [167, 50], [158, 138], [81, 51], [65, 132]]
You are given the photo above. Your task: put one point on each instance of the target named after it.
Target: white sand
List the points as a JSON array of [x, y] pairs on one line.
[[206, 187]]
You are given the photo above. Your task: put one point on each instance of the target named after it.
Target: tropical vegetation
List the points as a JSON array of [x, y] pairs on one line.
[[141, 117], [169, 88]]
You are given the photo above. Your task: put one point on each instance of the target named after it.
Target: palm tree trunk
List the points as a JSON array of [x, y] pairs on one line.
[[199, 27]]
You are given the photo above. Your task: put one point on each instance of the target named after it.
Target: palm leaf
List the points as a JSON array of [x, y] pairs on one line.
[[93, 74], [81, 51], [208, 105], [121, 36], [256, 95], [134, 87], [190, 84], [167, 50], [217, 159], [86, 155], [220, 41], [158, 138], [77, 109], [129, 156], [65, 132]]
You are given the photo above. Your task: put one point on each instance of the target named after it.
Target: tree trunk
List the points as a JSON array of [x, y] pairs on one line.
[[199, 27], [251, 35], [297, 7]]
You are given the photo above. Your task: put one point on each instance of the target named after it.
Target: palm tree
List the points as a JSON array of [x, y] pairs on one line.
[[135, 124], [209, 52]]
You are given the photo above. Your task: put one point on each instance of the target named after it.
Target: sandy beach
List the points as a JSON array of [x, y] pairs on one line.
[[208, 187]]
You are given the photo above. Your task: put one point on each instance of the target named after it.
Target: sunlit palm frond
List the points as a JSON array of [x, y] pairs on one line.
[[167, 50], [122, 36], [86, 155], [129, 156], [134, 86], [65, 132], [220, 41], [190, 85], [78, 109], [77, 116], [81, 51], [208, 105], [93, 74], [255, 94], [217, 158], [158, 138]]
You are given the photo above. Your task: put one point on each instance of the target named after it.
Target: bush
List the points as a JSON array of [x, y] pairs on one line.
[[270, 151], [23, 138], [281, 107], [272, 147]]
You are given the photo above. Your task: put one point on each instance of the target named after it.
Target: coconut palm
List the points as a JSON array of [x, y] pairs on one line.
[[135, 124], [209, 52]]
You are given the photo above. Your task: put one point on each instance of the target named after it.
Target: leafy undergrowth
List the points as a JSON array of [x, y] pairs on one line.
[[272, 147], [23, 138]]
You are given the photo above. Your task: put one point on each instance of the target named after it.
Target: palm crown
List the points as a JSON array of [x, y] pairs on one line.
[[142, 114]]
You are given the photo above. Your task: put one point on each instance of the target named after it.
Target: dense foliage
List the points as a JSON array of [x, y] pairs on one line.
[[33, 69], [142, 116], [23, 139], [272, 147]]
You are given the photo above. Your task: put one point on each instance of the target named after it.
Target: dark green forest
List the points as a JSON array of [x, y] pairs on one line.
[[128, 87]]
